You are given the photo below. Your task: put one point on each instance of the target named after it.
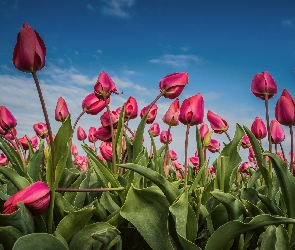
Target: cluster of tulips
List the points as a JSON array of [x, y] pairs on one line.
[[29, 56]]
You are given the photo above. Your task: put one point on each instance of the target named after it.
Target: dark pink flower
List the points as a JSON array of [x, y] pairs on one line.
[[106, 150], [131, 108], [172, 85], [192, 110], [81, 134], [258, 128], [41, 129], [103, 134], [173, 155], [164, 137], [218, 124], [151, 114], [24, 142], [92, 105], [104, 86], [214, 146], [204, 129], [155, 129], [171, 116], [105, 119], [285, 109], [276, 132], [10, 134], [264, 85], [91, 136], [3, 159], [246, 142], [61, 110], [7, 120]]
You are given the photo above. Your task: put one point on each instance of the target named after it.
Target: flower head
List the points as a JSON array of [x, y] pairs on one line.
[[192, 110], [92, 105], [285, 109], [171, 116], [258, 128], [172, 85], [264, 85], [61, 110], [104, 86], [218, 124]]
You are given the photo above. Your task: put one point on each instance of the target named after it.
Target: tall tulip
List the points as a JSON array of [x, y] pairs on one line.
[[192, 110], [61, 110], [154, 129], [7, 120], [172, 85], [164, 138], [172, 115], [41, 129], [93, 105], [277, 132], [152, 113], [131, 108], [30, 51], [104, 86], [264, 85], [81, 134], [285, 109], [258, 128]]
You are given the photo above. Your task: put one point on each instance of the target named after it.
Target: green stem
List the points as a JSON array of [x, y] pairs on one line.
[[292, 149], [185, 156], [222, 169]]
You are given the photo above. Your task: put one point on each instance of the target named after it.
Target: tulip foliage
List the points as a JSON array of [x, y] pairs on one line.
[[123, 194]]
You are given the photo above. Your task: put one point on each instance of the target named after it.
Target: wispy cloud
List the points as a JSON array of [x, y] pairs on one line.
[[288, 23], [180, 60], [90, 7], [185, 48], [117, 8]]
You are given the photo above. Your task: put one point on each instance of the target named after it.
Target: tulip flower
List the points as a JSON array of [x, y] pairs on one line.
[[218, 124], [173, 155], [10, 134], [36, 198], [251, 155], [92, 105], [171, 116], [41, 129], [74, 149], [34, 141], [3, 159], [91, 136], [105, 119], [81, 134], [104, 86], [204, 129], [106, 150], [61, 110], [164, 137], [244, 167], [277, 132], [155, 129], [172, 85], [131, 108], [177, 165], [264, 85], [192, 110], [81, 162], [151, 114], [48, 139], [212, 170], [195, 161], [30, 51], [103, 134], [24, 142], [214, 146], [7, 120], [246, 142], [285, 109], [258, 128]]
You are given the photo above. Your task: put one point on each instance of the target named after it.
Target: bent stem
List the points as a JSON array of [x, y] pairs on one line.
[[78, 118], [50, 216], [185, 155], [227, 135]]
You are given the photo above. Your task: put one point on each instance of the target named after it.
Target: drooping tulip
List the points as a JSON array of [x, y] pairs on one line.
[[151, 114], [171, 116], [258, 128], [218, 124], [81, 134], [3, 159], [91, 137], [103, 134], [104, 86], [164, 137], [131, 108], [276, 132], [214, 146], [7, 120], [61, 110], [36, 198], [92, 105], [41, 129], [155, 129], [106, 150], [192, 110], [172, 85], [30, 51], [263, 85], [285, 109]]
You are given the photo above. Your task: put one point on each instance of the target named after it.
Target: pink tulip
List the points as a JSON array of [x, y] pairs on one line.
[[10, 136], [34, 141], [24, 142], [131, 108], [285, 109], [204, 129], [155, 129], [3, 159], [103, 134], [81, 134], [244, 167], [30, 51], [61, 110], [41, 129], [173, 155], [81, 162], [192, 110], [151, 114], [7, 120], [246, 142], [36, 198], [258, 128], [195, 161], [212, 170], [164, 137], [214, 146], [92, 105], [91, 136], [251, 155], [177, 165], [218, 124], [264, 85], [105, 119], [172, 85], [48, 139], [276, 132], [171, 116], [104, 86], [74, 149], [106, 150]]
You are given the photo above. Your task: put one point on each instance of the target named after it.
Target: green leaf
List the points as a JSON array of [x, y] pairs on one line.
[[233, 229], [34, 164], [119, 134], [109, 237], [108, 203], [18, 181], [147, 209], [73, 222], [8, 236], [275, 238], [39, 241]]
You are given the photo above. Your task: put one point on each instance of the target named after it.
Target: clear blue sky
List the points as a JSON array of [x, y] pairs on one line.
[[221, 44]]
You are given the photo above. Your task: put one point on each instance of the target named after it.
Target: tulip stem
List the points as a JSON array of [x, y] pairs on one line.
[[267, 123], [281, 146], [185, 155], [166, 156], [78, 118], [292, 149], [228, 137], [89, 189]]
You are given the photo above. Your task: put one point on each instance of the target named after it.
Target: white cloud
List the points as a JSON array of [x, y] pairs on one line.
[[117, 8], [98, 51], [289, 23], [89, 7], [185, 48], [180, 60]]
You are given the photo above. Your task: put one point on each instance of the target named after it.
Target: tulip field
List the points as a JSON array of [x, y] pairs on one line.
[[123, 194]]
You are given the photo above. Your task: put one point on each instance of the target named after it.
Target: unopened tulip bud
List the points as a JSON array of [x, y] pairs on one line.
[[258, 128], [41, 129], [214, 146], [164, 137], [171, 116], [92, 105], [81, 134], [246, 142], [91, 136], [172, 85], [7, 120], [204, 129], [276, 132], [131, 108], [155, 129], [285, 109], [104, 86], [173, 155], [264, 85], [151, 114], [61, 110], [192, 110], [218, 124]]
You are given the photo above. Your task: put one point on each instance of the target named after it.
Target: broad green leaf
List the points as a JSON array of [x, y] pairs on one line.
[[34, 164], [68, 177], [270, 205], [147, 209], [108, 203], [233, 229], [39, 241], [18, 181], [275, 238], [8, 236], [109, 237], [73, 222]]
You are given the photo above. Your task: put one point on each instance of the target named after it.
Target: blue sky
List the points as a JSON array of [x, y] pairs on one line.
[[221, 44]]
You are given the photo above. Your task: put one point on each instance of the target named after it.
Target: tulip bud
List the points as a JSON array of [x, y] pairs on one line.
[[276, 132], [154, 129], [91, 136], [212, 170], [264, 85], [34, 141], [29, 51], [61, 110], [218, 124], [103, 134], [214, 146], [36, 198], [131, 108], [171, 116], [177, 165], [105, 119], [151, 114], [244, 167], [164, 137], [192, 110], [7, 120], [81, 134], [92, 105], [10, 134], [74, 149], [246, 142], [173, 155], [204, 129], [3, 159], [41, 129], [258, 128], [106, 150], [172, 85], [285, 109], [24, 142], [104, 86], [195, 161]]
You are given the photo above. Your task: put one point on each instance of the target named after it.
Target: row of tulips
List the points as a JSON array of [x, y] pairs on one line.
[[127, 195]]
